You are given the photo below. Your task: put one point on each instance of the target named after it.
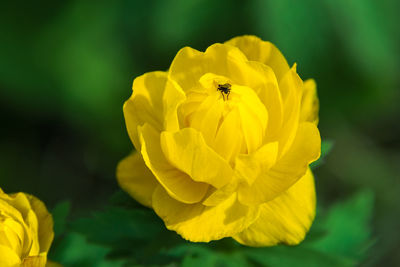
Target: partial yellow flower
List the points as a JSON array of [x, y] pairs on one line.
[[26, 230], [225, 138]]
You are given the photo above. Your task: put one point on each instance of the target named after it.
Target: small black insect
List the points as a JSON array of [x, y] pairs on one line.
[[225, 89]]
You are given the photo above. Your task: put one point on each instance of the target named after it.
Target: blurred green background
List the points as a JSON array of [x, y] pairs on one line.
[[66, 67]]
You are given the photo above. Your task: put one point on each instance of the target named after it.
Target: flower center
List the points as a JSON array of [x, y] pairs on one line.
[[231, 117]]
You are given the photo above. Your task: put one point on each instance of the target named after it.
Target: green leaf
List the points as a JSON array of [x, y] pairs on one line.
[[211, 254], [115, 226], [339, 237], [298, 256], [326, 147], [74, 250], [348, 227], [137, 235], [60, 213]]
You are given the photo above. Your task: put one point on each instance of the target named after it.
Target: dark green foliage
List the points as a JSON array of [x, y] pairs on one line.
[[127, 236], [75, 251], [347, 226], [60, 214]]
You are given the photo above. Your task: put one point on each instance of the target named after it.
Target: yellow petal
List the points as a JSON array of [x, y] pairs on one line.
[[45, 223], [227, 144], [154, 100], [35, 261], [188, 152], [8, 258], [309, 102], [191, 60], [291, 88], [11, 234], [270, 95], [8, 209], [194, 99], [52, 264], [253, 118], [20, 202], [285, 219], [189, 65], [216, 196], [32, 225], [249, 167], [33, 233], [17, 207], [306, 148], [207, 117], [135, 178], [178, 184], [199, 223], [256, 49], [253, 132]]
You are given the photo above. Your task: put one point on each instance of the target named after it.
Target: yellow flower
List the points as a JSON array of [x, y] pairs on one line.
[[26, 230], [225, 138]]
